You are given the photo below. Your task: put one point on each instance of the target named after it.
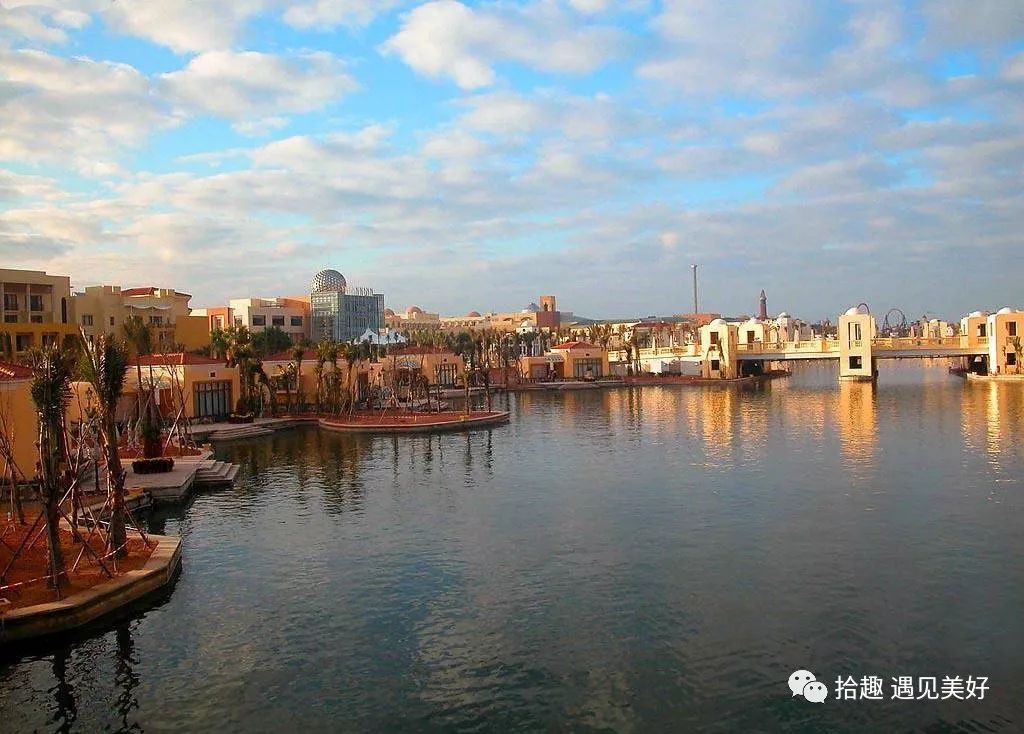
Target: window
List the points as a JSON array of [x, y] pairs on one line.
[[855, 363], [35, 303], [277, 320], [1011, 328], [586, 368], [714, 337], [36, 318], [1011, 359], [22, 342], [111, 320], [238, 320], [212, 399], [49, 339], [981, 330], [296, 321], [218, 322], [86, 319], [445, 374], [10, 318], [750, 337], [715, 365], [156, 320], [259, 320], [10, 301]]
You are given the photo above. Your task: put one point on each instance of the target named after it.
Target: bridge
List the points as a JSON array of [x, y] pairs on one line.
[[990, 343]]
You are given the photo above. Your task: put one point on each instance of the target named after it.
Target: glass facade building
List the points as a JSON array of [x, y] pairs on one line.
[[342, 314]]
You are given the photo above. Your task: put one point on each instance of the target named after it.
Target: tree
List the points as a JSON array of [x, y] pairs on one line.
[[298, 352], [139, 336], [271, 341], [51, 393], [103, 365]]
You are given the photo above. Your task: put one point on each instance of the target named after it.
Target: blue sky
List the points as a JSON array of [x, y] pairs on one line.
[[475, 155]]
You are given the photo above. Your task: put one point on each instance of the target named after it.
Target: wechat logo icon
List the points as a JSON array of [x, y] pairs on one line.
[[803, 683]]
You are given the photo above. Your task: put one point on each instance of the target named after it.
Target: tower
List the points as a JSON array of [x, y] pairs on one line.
[[762, 311]]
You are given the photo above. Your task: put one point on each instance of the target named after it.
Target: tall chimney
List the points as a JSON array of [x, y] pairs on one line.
[[695, 309]]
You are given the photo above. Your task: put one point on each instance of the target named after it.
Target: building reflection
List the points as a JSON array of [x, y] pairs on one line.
[[991, 418], [857, 419]]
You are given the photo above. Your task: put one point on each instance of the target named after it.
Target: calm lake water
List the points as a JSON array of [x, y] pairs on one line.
[[654, 559]]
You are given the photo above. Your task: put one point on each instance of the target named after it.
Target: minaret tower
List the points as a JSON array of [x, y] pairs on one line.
[[762, 311]]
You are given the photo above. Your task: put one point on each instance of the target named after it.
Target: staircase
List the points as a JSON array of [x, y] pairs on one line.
[[239, 431], [213, 474]]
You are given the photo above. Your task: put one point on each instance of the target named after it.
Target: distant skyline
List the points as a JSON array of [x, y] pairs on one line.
[[476, 155]]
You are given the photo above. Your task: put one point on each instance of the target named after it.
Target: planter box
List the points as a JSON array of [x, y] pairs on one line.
[[160, 465]]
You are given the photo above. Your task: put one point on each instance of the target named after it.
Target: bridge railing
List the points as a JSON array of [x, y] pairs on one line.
[[922, 342], [805, 345]]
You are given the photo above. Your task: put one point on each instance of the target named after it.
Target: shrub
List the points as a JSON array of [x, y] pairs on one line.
[[159, 465]]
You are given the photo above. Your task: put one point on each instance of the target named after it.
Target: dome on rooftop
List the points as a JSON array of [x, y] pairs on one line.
[[328, 281], [531, 307], [856, 311], [413, 311], [1005, 310], [783, 315], [473, 314], [388, 312], [717, 322]]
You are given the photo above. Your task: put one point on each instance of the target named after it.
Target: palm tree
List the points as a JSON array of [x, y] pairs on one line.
[[139, 336], [298, 352], [51, 393], [103, 365], [1018, 350]]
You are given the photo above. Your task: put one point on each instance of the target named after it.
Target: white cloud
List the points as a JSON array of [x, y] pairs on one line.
[[331, 13], [74, 110], [257, 88], [972, 23], [445, 38], [37, 22], [183, 25]]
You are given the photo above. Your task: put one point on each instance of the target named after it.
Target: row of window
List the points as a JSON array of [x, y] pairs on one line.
[[260, 320], [35, 302]]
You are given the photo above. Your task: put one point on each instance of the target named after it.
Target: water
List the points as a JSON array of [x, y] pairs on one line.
[[655, 559]]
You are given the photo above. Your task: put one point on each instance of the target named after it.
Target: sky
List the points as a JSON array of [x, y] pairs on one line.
[[464, 156]]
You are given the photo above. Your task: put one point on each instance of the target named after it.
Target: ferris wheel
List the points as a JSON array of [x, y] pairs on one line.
[[895, 321]]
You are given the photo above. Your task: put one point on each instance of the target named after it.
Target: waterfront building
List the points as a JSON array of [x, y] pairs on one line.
[[104, 309], [207, 388], [289, 314], [18, 420], [1006, 331], [436, 365], [568, 360], [37, 310], [719, 344], [340, 312]]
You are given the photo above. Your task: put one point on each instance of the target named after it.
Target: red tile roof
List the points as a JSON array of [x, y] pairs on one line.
[[11, 371], [175, 358], [286, 356], [576, 345]]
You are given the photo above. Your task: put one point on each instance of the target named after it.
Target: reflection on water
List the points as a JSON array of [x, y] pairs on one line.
[[655, 558]]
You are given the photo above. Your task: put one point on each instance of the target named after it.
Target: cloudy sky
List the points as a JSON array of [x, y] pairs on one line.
[[475, 155]]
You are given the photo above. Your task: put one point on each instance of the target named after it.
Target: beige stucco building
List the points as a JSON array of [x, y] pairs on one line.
[[104, 309], [18, 420], [37, 310], [289, 314]]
